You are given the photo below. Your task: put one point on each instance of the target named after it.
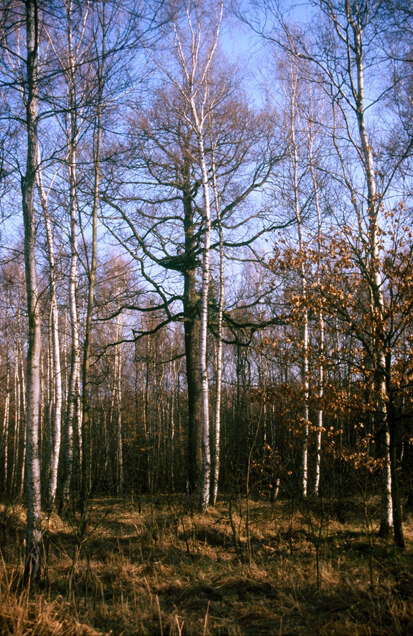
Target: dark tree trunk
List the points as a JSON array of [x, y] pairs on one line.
[[192, 329], [395, 491]]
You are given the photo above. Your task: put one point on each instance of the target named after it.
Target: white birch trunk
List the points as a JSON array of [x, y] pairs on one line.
[[73, 399], [5, 427], [305, 326], [386, 520], [376, 278], [72, 421], [174, 389], [34, 529], [105, 442], [306, 396], [203, 340], [217, 422], [320, 409], [86, 432], [56, 367], [320, 324]]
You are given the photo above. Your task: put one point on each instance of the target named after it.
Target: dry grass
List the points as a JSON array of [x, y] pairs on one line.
[[290, 570]]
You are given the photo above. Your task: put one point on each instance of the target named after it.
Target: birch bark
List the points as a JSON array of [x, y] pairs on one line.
[[219, 344], [34, 530], [350, 20], [92, 269], [376, 294], [4, 448], [69, 61], [303, 280], [203, 339], [199, 116], [56, 364], [321, 325]]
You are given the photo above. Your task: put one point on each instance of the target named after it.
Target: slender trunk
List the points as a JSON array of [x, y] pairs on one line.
[[395, 491], [34, 530], [74, 376], [21, 479], [203, 340], [56, 363], [320, 409], [73, 398], [118, 409], [219, 342], [14, 457], [386, 520], [320, 323], [86, 433], [67, 439], [6, 425], [305, 325], [306, 413], [106, 443], [147, 423], [173, 387], [375, 281], [43, 423]]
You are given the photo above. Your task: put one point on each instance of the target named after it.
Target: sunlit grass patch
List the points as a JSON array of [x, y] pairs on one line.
[[274, 568]]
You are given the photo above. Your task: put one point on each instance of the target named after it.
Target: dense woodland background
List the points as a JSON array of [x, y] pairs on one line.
[[206, 277]]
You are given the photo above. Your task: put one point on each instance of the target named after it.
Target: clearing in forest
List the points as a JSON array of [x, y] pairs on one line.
[[155, 567]]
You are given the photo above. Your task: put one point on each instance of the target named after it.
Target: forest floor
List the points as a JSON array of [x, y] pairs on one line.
[[152, 567]]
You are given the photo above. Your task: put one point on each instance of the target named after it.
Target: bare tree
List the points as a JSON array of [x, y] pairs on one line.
[[194, 46], [34, 530]]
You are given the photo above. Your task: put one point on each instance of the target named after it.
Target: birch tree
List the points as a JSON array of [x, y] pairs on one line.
[[56, 371], [350, 23], [216, 437], [34, 530], [321, 322], [293, 192], [69, 53], [99, 68]]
